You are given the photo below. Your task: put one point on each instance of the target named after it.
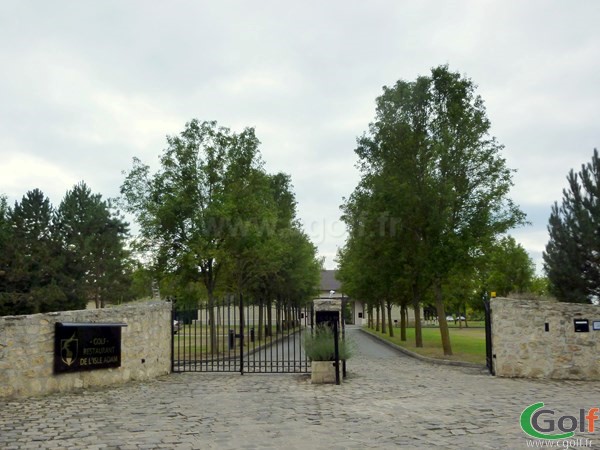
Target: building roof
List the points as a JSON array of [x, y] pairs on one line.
[[329, 282]]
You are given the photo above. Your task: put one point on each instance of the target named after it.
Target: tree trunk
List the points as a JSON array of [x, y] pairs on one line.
[[288, 317], [370, 321], [382, 304], [278, 316], [209, 275], [417, 308], [390, 323], [403, 314], [212, 323], [261, 320], [269, 329], [242, 323], [418, 330], [465, 316], [377, 320], [439, 304]]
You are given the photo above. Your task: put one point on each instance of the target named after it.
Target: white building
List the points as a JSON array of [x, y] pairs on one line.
[[356, 311], [332, 288]]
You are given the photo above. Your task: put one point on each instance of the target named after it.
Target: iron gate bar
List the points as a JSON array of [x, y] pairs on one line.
[[488, 336], [228, 326], [289, 324], [172, 341], [241, 334], [193, 350], [336, 348]]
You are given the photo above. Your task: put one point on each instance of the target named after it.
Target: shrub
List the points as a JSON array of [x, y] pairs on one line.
[[319, 345]]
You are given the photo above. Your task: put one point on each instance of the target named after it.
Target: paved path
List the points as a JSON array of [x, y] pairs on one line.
[[388, 401]]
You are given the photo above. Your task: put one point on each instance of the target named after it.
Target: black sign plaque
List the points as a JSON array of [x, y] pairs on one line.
[[86, 346]]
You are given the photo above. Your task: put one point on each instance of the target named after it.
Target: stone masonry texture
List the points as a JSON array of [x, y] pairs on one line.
[[27, 349], [537, 339], [388, 401]]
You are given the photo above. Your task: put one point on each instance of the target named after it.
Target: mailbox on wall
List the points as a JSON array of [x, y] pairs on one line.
[[582, 325]]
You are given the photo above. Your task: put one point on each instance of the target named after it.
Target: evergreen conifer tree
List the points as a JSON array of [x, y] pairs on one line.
[[572, 259]]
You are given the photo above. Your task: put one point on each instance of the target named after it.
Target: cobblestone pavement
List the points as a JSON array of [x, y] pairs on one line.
[[387, 401]]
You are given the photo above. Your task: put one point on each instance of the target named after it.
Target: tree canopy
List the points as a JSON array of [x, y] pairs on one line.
[[211, 215], [509, 268], [572, 256], [59, 259], [212, 222], [433, 194], [93, 242]]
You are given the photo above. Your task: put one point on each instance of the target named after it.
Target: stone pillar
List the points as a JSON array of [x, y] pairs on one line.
[[327, 310]]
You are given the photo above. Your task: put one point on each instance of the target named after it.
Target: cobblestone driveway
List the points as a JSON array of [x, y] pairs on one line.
[[388, 401]]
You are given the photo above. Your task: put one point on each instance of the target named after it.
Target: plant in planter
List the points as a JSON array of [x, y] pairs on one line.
[[319, 347]]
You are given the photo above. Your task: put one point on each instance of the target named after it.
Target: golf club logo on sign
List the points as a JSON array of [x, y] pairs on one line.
[[542, 423]]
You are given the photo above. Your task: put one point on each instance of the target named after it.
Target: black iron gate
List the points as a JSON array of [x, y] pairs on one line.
[[232, 337], [489, 356]]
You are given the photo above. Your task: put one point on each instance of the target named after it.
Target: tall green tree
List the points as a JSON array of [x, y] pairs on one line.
[[572, 256], [285, 267], [182, 209], [253, 216], [5, 239], [211, 216], [93, 238], [503, 267], [35, 279], [355, 259], [443, 182], [540, 286], [510, 269]]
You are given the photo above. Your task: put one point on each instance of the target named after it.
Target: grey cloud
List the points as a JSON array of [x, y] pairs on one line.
[[86, 86]]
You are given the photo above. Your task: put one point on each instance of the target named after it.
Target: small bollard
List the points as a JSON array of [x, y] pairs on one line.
[[231, 339]]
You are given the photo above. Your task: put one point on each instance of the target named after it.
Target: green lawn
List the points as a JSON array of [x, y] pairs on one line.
[[468, 344]]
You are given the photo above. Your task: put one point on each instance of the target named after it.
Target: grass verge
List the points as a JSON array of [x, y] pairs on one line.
[[468, 344]]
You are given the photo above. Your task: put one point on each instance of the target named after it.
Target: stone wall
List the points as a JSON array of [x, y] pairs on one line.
[[333, 304], [537, 339], [27, 349]]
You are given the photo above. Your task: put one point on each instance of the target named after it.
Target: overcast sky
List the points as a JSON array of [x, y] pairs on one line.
[[86, 86]]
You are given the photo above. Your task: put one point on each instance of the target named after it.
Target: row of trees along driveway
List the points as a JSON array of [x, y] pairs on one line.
[[214, 222], [432, 200]]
